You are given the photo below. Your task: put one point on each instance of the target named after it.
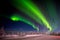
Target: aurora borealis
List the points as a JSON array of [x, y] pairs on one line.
[[35, 11], [39, 14], [19, 18]]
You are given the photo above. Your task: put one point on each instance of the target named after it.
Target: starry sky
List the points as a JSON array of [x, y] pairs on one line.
[[49, 8]]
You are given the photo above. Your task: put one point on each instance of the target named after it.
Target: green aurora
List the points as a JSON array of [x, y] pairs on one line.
[[19, 18], [32, 11]]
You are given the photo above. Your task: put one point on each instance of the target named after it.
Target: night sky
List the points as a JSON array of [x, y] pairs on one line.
[[49, 8]]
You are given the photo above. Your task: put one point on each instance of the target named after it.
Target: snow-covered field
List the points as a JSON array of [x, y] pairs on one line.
[[32, 37]]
